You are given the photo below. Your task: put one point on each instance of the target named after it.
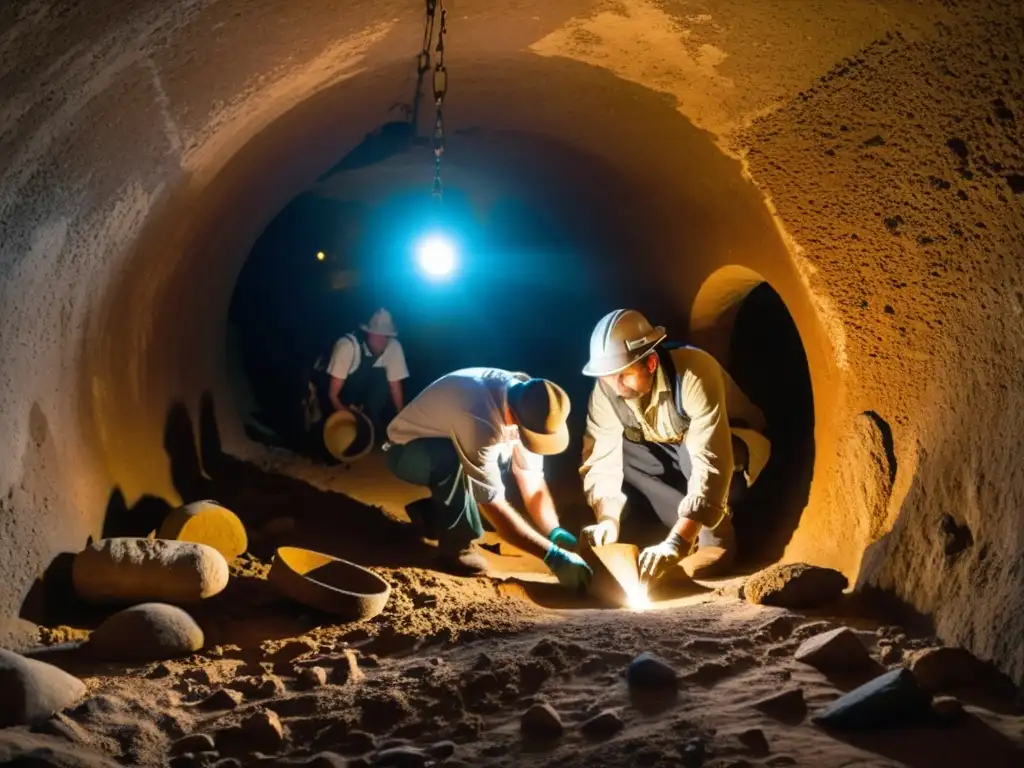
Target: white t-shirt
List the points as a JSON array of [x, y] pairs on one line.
[[347, 355], [468, 406]]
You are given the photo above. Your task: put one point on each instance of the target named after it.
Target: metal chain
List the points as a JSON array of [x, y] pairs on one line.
[[440, 89]]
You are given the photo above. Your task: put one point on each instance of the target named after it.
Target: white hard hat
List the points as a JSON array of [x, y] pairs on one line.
[[380, 324], [620, 339]]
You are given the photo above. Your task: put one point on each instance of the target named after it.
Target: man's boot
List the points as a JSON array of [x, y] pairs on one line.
[[716, 551], [466, 561], [421, 514]]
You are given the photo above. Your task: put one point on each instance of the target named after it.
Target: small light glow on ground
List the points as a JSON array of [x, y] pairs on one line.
[[436, 256], [320, 255], [637, 599]]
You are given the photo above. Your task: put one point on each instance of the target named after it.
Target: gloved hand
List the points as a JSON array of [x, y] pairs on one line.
[[569, 567], [562, 538], [654, 561], [604, 531]]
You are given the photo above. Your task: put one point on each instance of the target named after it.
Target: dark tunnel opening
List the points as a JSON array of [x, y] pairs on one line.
[[768, 361], [539, 250]]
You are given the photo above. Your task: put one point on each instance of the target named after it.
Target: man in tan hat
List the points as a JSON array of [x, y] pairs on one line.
[[457, 436], [670, 422], [363, 370]]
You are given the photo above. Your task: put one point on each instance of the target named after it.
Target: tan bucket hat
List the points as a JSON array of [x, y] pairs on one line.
[[540, 408]]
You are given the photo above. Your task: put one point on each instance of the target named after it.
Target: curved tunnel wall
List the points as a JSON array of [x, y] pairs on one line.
[[145, 150]]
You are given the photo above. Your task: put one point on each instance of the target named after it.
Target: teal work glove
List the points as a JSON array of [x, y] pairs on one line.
[[569, 567], [562, 538]]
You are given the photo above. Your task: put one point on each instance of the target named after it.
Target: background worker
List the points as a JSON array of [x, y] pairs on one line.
[[669, 421], [457, 436], [363, 370]]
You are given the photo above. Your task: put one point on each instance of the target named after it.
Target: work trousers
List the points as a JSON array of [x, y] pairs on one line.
[[433, 462], [660, 473]]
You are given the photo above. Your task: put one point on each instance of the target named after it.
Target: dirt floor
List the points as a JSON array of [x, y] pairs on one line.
[[451, 664]]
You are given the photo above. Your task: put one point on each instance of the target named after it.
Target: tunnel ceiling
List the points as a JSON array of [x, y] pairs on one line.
[[863, 158]]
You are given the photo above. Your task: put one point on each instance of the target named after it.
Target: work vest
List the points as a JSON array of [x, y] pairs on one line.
[[631, 428]]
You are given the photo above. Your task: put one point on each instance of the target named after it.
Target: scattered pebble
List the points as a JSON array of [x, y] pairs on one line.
[[290, 651], [541, 721], [948, 709], [650, 671], [755, 740], [225, 698], [837, 651], [197, 742], [263, 731], [788, 705], [313, 677], [356, 743], [603, 725], [442, 750], [161, 670], [402, 757]]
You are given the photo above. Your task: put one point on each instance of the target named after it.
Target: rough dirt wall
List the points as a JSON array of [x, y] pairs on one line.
[[144, 148], [901, 173]]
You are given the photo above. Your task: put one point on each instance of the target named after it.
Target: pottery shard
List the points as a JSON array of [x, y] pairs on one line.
[[206, 522], [146, 632], [837, 651], [31, 691], [794, 585], [143, 570]]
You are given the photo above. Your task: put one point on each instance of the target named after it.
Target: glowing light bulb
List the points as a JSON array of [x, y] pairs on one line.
[[436, 256], [320, 255]]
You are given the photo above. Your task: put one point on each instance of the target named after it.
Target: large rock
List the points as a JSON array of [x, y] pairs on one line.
[[787, 706], [891, 699], [951, 669], [794, 585], [207, 522], [143, 570], [837, 651], [146, 632], [31, 691], [33, 750]]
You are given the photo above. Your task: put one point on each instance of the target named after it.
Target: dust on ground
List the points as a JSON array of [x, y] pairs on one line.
[[451, 664]]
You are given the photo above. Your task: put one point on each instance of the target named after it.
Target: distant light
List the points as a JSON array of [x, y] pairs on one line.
[[320, 255], [436, 256]]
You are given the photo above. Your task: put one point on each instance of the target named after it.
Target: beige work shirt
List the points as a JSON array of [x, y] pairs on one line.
[[710, 398]]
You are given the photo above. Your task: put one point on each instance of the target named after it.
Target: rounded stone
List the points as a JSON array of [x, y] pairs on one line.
[[794, 585], [207, 522], [146, 632], [541, 721], [143, 570], [649, 671], [31, 690]]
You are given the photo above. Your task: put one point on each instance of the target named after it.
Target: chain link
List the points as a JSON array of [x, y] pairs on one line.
[[440, 89]]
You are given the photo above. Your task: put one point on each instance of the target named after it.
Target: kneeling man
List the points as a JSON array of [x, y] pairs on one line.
[[669, 421], [457, 436]]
